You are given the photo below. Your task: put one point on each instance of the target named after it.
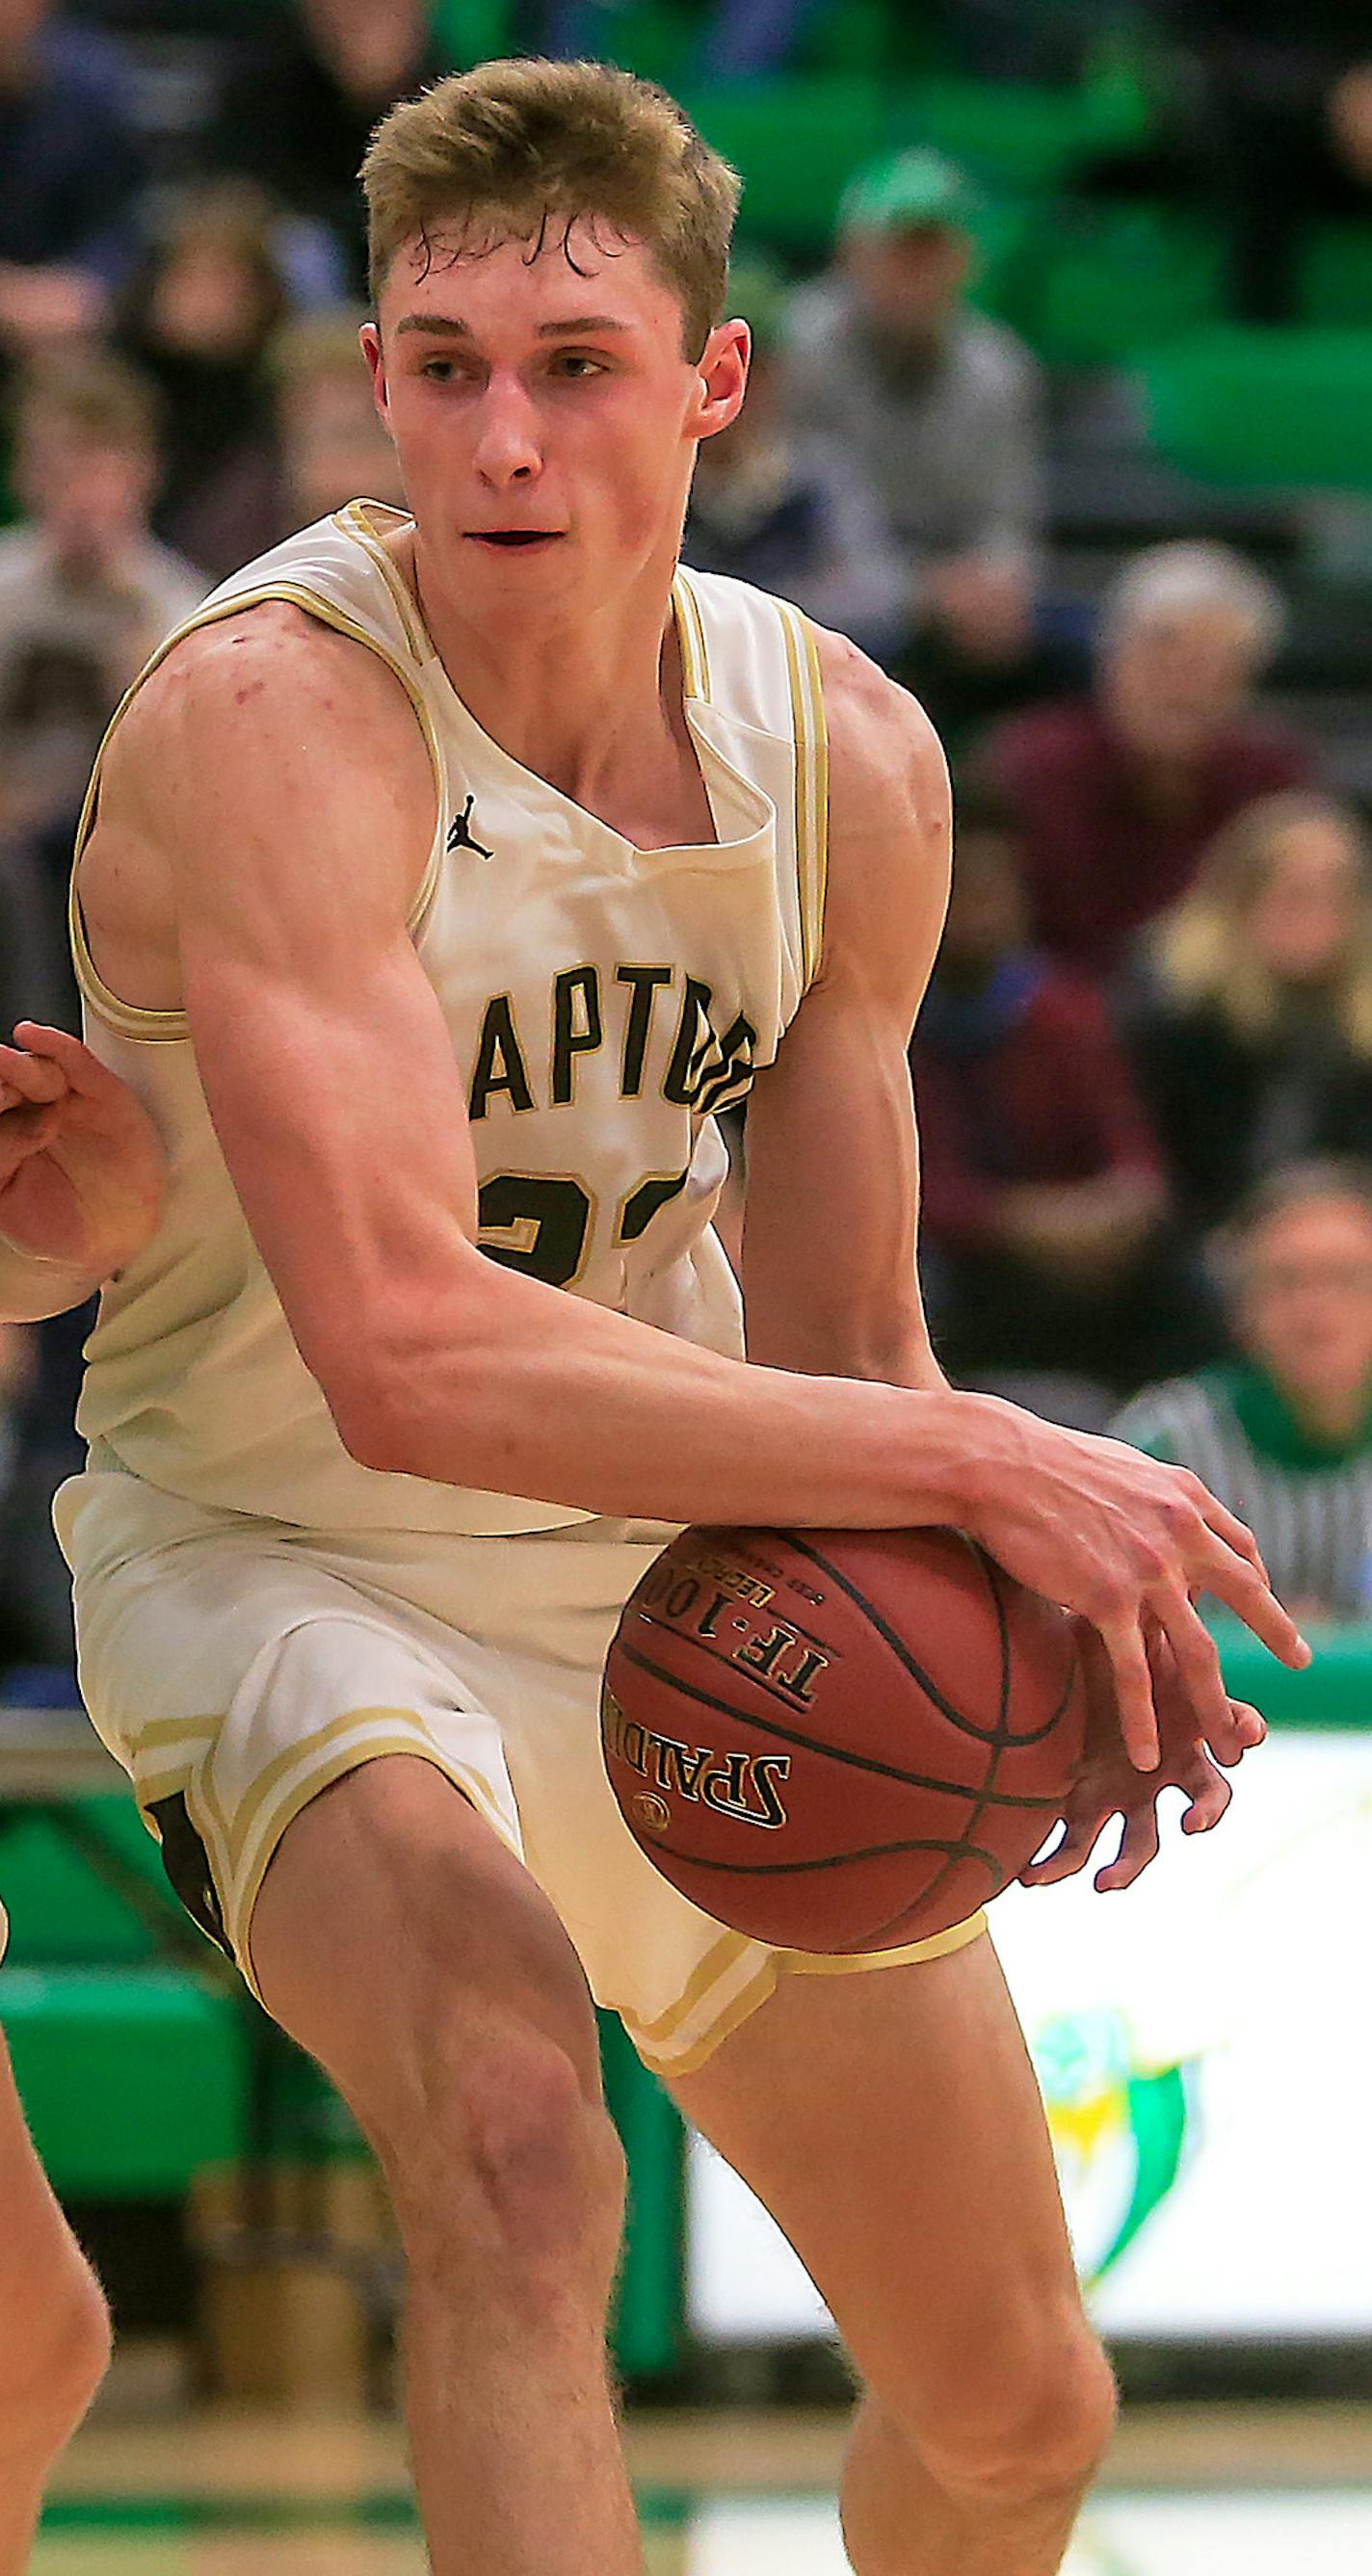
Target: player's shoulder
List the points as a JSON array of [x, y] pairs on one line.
[[270, 679], [886, 763]]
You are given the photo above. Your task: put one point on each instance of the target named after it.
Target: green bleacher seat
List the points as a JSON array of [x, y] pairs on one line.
[[797, 142], [1099, 283], [1266, 405], [1335, 274], [1007, 131], [133, 2079]]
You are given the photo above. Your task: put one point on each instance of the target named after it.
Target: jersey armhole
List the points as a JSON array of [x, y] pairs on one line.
[[810, 736], [163, 1028]]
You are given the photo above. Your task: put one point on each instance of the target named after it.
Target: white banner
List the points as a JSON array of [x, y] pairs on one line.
[[1202, 2042]]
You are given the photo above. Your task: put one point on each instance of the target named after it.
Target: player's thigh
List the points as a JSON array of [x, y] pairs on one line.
[[395, 1935], [892, 2124]]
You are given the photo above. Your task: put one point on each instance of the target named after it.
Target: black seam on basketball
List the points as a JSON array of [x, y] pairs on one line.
[[812, 1744], [966, 1725], [827, 1860]]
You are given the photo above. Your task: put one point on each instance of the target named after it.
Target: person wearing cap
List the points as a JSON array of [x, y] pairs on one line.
[[789, 509], [940, 405]]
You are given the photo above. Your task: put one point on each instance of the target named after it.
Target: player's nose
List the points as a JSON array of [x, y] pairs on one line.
[[509, 449]]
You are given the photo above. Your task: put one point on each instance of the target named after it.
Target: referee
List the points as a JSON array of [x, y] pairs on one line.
[[1283, 1431]]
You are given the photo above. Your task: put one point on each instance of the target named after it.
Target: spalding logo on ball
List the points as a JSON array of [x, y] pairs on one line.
[[839, 1740]]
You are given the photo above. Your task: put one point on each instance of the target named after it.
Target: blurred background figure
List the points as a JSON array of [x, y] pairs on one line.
[[1048, 1265], [199, 317], [71, 168], [939, 406], [86, 594], [18, 1639], [1118, 793], [792, 510], [331, 444], [1283, 1431], [1285, 112], [1253, 1043], [298, 113]]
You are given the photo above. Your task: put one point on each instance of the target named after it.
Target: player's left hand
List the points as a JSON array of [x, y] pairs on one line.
[[1109, 1785]]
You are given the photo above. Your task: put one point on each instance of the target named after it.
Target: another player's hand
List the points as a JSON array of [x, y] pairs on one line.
[[1110, 1786], [81, 1164], [1129, 1544]]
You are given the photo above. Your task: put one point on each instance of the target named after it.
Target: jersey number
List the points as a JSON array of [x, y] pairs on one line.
[[545, 1220]]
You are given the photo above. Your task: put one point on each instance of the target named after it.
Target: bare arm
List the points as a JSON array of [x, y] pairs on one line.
[[290, 800], [829, 1229], [81, 1172], [278, 773]]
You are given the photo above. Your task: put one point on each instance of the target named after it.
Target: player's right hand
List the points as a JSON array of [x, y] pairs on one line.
[[1129, 1544], [82, 1167]]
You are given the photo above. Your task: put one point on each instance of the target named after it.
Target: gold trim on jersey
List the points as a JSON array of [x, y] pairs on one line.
[[812, 781], [163, 1028], [355, 522], [690, 627], [647, 2037]]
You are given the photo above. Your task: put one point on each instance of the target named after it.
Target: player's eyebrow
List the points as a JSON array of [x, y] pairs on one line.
[[451, 326]]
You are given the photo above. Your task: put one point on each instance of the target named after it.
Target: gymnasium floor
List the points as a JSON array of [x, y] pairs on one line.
[[1190, 2492]]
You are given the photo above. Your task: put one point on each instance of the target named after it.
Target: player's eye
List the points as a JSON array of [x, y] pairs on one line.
[[578, 364]]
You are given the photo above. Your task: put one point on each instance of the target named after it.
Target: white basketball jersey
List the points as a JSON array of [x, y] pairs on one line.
[[604, 1002]]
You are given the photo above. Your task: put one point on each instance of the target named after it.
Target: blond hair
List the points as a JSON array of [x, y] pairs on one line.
[[514, 147], [1202, 948]]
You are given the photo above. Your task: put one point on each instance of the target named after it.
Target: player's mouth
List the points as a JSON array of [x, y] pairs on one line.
[[515, 540]]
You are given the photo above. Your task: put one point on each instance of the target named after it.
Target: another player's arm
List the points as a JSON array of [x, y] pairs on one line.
[[276, 771], [81, 1173]]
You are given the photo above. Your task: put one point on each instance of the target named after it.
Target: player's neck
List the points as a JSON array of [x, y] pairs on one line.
[[592, 709]]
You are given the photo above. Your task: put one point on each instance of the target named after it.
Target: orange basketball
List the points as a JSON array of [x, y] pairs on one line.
[[839, 1740]]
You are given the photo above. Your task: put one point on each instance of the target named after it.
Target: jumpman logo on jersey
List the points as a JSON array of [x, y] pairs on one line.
[[460, 832]]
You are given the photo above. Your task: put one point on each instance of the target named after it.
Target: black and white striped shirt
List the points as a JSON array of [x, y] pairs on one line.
[[1308, 1505]]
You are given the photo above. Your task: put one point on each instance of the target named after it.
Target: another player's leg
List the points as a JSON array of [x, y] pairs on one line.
[[892, 2124], [54, 2331], [398, 1941]]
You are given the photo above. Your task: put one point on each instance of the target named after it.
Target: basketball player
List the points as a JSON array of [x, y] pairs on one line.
[[80, 1176], [437, 884]]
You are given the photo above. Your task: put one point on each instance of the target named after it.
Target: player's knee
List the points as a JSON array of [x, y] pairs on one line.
[[514, 2161], [50, 2373], [1037, 2427]]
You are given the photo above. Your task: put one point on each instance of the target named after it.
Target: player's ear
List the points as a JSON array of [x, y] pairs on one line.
[[370, 337], [721, 379]]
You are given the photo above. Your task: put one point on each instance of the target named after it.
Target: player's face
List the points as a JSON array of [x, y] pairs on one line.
[[546, 417]]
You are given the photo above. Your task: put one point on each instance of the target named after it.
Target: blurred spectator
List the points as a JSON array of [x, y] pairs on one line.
[[1045, 1253], [299, 114], [1118, 793], [22, 1638], [333, 445], [1287, 116], [939, 407], [199, 317], [1283, 1432], [85, 592], [70, 173], [787, 509], [1254, 1046]]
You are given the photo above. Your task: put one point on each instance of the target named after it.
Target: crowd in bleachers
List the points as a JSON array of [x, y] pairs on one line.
[[1060, 317]]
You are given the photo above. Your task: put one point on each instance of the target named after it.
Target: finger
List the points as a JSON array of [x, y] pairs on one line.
[[1072, 1853], [1252, 1599], [59, 1049], [1138, 1845], [1249, 1728], [1235, 1533], [1196, 1659], [1209, 1794], [1133, 1684], [27, 1077]]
